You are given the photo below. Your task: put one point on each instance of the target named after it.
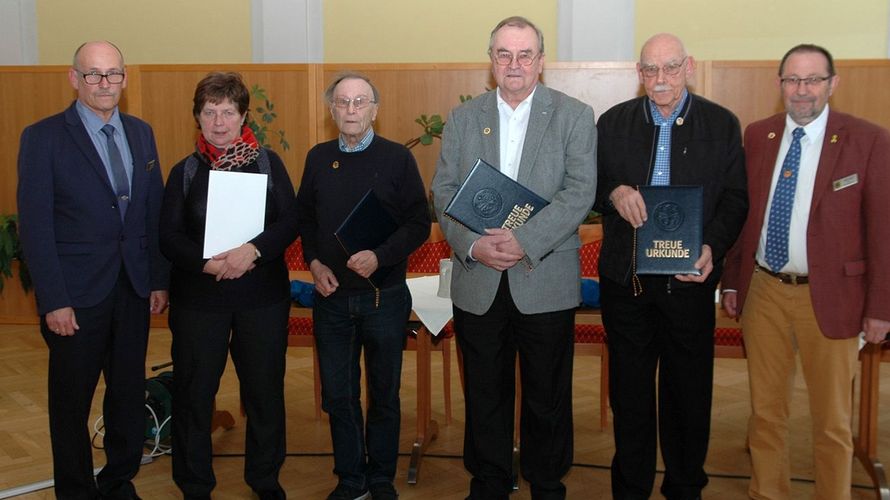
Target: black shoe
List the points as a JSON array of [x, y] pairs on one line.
[[383, 491], [346, 492]]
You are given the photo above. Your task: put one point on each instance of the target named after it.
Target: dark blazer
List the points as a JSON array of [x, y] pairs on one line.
[[706, 150], [848, 236], [559, 164], [72, 234]]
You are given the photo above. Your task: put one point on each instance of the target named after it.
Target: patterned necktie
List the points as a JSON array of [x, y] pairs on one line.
[[780, 210], [118, 173]]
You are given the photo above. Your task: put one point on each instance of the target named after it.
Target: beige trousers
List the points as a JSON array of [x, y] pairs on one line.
[[778, 322]]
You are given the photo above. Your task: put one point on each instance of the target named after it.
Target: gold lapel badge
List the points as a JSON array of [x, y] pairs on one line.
[[150, 165], [335, 165], [833, 138], [771, 135], [486, 130], [786, 173]]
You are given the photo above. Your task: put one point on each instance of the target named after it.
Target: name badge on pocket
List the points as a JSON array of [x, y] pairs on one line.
[[845, 182]]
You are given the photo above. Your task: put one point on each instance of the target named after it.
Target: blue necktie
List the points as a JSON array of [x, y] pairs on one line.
[[780, 210], [118, 173]]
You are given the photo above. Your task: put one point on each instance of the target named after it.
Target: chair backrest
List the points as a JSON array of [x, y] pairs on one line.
[[293, 256], [426, 258], [591, 242]]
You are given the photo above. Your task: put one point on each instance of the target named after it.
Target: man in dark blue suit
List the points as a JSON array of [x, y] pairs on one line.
[[89, 197]]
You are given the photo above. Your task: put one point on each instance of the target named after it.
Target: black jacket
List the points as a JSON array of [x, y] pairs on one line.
[[706, 150]]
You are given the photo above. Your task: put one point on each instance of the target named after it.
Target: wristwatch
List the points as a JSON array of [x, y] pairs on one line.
[[257, 250]]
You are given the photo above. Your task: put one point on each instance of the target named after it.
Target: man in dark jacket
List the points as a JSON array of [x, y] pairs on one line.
[[667, 137], [89, 200]]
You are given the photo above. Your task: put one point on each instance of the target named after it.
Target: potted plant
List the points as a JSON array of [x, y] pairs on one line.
[[11, 250]]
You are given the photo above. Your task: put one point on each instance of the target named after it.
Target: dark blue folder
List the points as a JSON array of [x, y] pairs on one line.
[[489, 199], [670, 240], [367, 227]]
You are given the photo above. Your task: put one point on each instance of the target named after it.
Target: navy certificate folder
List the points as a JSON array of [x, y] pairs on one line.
[[489, 199], [366, 228], [670, 240]]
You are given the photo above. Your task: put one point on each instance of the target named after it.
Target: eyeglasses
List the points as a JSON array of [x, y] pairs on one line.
[[94, 77], [794, 81], [672, 69], [504, 58], [360, 102], [226, 114]]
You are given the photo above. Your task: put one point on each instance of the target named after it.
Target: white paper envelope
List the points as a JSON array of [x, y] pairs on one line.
[[236, 210]]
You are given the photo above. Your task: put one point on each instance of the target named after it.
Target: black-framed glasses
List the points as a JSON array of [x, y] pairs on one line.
[[672, 69], [94, 77], [810, 81], [359, 102], [505, 58]]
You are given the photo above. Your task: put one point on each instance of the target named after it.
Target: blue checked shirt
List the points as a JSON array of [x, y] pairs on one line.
[[661, 172], [362, 144]]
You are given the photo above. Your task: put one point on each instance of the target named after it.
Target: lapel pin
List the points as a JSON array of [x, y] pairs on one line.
[[150, 165], [335, 165], [679, 121], [771, 135], [486, 130], [833, 138]]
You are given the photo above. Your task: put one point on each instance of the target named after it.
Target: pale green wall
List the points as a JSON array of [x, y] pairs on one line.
[[147, 31], [765, 29], [424, 30], [210, 31]]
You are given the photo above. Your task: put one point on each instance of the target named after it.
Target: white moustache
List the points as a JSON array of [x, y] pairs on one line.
[[662, 88]]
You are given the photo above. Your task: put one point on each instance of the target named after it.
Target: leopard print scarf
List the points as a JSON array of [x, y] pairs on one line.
[[242, 151]]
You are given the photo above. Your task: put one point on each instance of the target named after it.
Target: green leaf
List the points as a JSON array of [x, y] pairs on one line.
[[426, 139]]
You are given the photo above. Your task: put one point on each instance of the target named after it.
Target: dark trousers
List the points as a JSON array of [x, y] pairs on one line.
[[257, 340], [671, 331], [112, 340], [344, 326], [545, 345]]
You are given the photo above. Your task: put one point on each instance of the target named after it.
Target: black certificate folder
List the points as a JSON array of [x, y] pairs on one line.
[[670, 240], [366, 228], [489, 199]]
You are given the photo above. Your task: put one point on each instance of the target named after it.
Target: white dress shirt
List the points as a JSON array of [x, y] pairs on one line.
[[810, 152], [513, 124]]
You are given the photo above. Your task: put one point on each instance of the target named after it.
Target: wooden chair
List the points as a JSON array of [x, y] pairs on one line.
[[590, 336], [426, 260], [299, 325], [865, 443]]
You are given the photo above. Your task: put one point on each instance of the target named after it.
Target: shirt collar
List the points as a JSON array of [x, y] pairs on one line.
[[93, 123], [658, 119], [362, 144], [502, 102], [814, 129]]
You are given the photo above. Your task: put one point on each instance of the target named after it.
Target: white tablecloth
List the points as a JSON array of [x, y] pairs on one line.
[[433, 311]]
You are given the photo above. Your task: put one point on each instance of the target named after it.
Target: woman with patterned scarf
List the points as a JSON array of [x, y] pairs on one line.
[[235, 302]]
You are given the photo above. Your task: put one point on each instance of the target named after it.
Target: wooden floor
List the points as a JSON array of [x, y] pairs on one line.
[[25, 456]]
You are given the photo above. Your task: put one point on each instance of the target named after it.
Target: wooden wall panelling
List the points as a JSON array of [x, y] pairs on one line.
[[27, 94], [863, 89], [406, 92], [162, 94], [748, 88], [601, 85], [167, 92]]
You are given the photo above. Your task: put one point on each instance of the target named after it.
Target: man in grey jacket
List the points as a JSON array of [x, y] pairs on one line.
[[515, 291]]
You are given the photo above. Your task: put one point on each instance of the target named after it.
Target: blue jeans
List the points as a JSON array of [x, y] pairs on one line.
[[343, 326]]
